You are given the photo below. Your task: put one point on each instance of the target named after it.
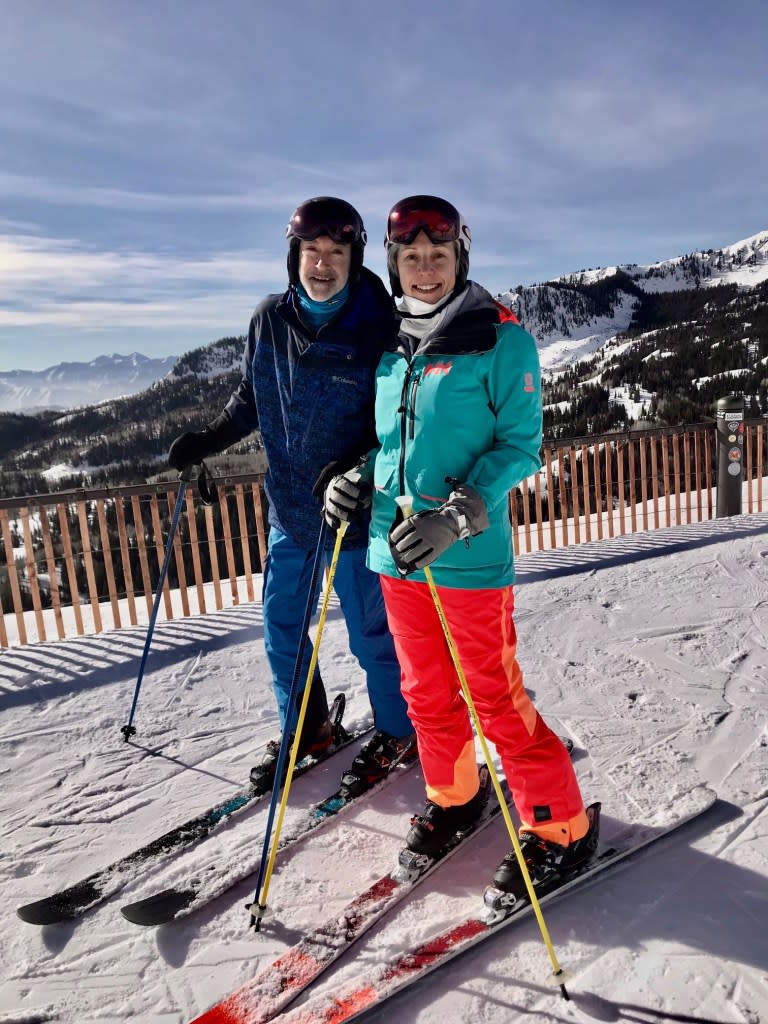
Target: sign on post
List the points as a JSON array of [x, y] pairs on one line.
[[730, 454]]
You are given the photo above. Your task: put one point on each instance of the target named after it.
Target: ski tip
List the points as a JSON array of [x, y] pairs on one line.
[[43, 912], [66, 905], [222, 1013], [160, 908]]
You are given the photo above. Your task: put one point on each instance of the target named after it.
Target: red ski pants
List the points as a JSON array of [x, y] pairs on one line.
[[536, 764]]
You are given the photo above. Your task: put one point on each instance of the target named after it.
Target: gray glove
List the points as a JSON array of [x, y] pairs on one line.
[[346, 496], [420, 539]]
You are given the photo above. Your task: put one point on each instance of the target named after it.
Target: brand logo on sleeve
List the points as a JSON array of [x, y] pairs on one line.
[[528, 384]]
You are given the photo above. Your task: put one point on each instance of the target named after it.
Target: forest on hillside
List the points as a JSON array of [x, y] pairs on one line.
[[685, 349]]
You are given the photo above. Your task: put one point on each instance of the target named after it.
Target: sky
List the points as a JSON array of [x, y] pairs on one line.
[[151, 153], [649, 651]]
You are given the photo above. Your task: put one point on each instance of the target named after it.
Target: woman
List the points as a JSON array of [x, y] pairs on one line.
[[458, 419]]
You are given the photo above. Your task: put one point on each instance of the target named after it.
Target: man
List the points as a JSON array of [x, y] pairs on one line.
[[308, 386]]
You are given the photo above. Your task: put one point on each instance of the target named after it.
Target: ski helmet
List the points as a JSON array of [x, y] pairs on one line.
[[441, 222], [325, 215]]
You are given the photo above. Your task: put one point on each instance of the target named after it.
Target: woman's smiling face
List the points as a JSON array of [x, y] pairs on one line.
[[427, 271]]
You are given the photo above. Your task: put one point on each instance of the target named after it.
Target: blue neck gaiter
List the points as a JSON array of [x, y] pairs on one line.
[[319, 313]]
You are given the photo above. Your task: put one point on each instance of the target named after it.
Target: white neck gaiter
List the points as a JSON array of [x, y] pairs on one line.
[[417, 328]]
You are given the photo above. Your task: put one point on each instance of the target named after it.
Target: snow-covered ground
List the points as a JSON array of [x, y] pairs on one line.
[[650, 651]]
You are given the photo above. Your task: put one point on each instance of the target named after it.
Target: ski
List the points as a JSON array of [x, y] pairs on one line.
[[74, 901], [410, 967], [180, 901], [273, 988]]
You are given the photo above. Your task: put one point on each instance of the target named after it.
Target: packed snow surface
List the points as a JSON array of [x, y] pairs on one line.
[[649, 651]]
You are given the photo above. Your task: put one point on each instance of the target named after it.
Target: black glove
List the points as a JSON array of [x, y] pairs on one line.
[[420, 539], [190, 448], [346, 496]]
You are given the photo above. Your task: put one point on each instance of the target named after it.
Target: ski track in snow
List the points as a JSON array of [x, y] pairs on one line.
[[655, 665]]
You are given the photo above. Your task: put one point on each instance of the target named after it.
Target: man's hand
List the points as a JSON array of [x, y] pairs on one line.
[[346, 497], [190, 449]]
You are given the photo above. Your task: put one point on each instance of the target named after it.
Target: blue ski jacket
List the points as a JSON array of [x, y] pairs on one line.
[[311, 395]]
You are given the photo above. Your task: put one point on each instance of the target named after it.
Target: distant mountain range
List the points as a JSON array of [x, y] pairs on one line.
[[68, 385], [571, 317], [621, 347]]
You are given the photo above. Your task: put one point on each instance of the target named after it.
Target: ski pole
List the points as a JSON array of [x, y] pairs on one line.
[[259, 905], [406, 504], [285, 739], [184, 477]]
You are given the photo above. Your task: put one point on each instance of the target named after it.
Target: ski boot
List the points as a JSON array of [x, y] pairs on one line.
[[549, 865], [438, 829], [376, 760], [313, 743]]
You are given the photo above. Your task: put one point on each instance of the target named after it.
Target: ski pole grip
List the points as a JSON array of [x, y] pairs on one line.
[[405, 502]]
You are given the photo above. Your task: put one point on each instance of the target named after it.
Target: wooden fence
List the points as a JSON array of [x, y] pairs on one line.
[[84, 561], [596, 487], [97, 554]]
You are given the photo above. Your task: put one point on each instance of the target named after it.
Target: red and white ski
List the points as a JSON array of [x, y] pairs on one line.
[[411, 966], [273, 988]]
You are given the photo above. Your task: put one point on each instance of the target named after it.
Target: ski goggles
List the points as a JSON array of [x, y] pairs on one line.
[[331, 217], [440, 220]]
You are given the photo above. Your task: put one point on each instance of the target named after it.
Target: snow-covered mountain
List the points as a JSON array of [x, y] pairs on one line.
[[67, 385], [744, 264], [576, 315], [571, 317], [214, 360]]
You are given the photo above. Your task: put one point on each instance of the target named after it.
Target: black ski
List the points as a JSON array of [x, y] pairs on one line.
[[179, 901], [77, 899]]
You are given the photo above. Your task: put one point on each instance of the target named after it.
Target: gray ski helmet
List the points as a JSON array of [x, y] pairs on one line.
[[441, 222], [325, 215]]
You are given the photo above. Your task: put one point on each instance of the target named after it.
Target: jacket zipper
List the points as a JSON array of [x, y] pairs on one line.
[[416, 380], [407, 412]]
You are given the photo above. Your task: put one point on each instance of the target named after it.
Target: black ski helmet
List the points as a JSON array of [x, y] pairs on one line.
[[442, 223], [325, 215]]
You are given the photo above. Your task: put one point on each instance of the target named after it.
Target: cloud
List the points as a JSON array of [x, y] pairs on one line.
[[57, 192], [44, 281]]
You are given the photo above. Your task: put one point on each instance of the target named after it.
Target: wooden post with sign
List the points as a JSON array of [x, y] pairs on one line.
[[730, 454]]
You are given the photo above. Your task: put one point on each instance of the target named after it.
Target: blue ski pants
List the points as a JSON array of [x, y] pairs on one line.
[[287, 574]]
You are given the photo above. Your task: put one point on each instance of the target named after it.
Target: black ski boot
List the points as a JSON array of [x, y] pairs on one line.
[[376, 760], [432, 830], [263, 774], [314, 742], [547, 860]]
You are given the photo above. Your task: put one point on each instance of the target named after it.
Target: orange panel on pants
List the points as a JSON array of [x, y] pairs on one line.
[[537, 766]]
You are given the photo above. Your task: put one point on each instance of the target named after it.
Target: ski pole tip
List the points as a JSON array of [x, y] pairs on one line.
[[559, 978], [257, 912]]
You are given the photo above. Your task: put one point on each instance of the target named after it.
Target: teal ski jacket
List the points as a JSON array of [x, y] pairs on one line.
[[464, 406]]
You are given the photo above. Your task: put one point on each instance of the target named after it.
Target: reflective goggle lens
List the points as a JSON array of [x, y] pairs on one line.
[[326, 218], [440, 221]]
